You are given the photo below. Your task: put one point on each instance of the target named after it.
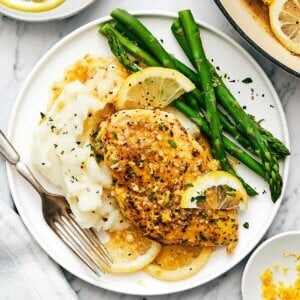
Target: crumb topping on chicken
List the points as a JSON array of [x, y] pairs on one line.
[[153, 160]]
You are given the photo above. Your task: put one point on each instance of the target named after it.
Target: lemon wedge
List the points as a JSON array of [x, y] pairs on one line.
[[216, 190], [152, 87], [130, 251], [178, 262], [32, 5], [285, 23]]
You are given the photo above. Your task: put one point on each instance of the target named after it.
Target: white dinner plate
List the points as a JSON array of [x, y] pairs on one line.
[[66, 9], [230, 58], [266, 256]]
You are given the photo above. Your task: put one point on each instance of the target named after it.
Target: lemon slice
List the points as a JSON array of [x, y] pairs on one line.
[[130, 251], [216, 190], [152, 87], [178, 262], [32, 5], [285, 23]]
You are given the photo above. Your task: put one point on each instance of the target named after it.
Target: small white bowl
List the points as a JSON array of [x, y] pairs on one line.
[[267, 255], [66, 9]]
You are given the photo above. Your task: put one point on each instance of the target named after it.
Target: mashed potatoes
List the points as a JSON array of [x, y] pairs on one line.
[[62, 150]]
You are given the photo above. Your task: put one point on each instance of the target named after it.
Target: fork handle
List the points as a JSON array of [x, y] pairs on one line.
[[23, 169], [13, 157], [7, 150]]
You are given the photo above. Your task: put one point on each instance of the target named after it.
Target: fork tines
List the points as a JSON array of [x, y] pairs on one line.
[[83, 242]]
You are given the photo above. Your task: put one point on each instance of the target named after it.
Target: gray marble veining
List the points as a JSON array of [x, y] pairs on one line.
[[23, 44]]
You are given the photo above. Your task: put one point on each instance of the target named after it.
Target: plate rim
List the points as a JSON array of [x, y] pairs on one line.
[[252, 43], [260, 248], [39, 18], [157, 14]]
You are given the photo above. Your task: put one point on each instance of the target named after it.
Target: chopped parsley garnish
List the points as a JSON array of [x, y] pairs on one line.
[[42, 115], [131, 174], [115, 135], [247, 80], [172, 143], [94, 135], [202, 236], [213, 220], [204, 214], [169, 204], [246, 225], [199, 198], [99, 158], [62, 152], [163, 127], [189, 184]]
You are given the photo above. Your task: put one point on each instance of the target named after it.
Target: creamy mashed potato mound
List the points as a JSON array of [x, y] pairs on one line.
[[62, 149]]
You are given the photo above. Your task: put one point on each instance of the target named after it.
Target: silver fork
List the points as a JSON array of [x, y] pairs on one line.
[[57, 213]]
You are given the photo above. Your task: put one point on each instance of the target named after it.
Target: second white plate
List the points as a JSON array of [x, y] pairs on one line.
[[226, 55], [66, 9], [268, 254]]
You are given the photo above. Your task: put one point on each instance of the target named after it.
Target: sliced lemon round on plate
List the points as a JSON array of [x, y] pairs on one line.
[[285, 23], [176, 262], [152, 87], [32, 5], [130, 251], [216, 190]]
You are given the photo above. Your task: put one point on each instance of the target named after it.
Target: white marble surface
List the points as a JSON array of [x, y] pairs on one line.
[[23, 44]]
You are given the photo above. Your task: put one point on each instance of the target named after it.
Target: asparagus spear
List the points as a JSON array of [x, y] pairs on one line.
[[137, 28], [193, 36], [276, 146], [256, 138], [192, 102], [202, 67], [231, 105], [120, 52]]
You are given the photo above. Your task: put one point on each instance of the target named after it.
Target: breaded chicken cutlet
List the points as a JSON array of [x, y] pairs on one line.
[[153, 160]]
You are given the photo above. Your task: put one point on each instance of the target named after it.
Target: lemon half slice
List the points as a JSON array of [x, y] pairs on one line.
[[216, 190], [130, 251], [32, 5], [152, 87], [285, 23], [177, 262]]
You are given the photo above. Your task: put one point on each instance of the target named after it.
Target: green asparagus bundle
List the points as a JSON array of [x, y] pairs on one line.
[[201, 64], [245, 122], [277, 148]]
